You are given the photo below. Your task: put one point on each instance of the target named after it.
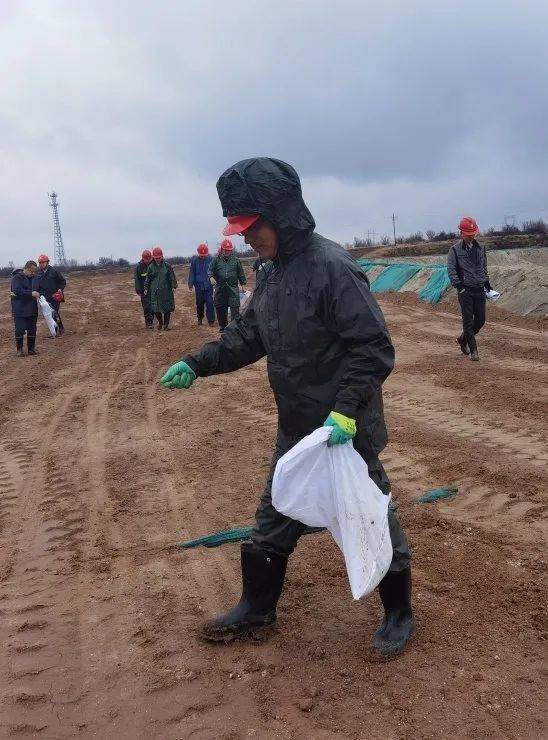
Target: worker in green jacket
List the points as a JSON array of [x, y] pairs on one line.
[[227, 271], [160, 283]]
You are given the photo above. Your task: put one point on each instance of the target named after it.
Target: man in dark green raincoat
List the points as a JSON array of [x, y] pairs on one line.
[[328, 352], [227, 271], [160, 284]]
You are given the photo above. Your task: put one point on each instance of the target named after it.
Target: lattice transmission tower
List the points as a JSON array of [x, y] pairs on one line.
[[59, 249]]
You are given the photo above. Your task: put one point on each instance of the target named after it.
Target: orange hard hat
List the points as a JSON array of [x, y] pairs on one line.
[[238, 224], [146, 256], [468, 226], [157, 252], [226, 246], [203, 250], [43, 258]]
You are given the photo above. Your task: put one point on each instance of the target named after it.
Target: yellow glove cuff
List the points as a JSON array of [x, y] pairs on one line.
[[346, 424]]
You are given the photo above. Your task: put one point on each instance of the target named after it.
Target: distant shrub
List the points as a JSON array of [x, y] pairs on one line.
[[509, 229], [430, 235], [534, 227], [414, 238], [443, 236]]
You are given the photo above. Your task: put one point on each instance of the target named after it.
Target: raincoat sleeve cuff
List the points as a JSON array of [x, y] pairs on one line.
[[346, 409], [193, 365]]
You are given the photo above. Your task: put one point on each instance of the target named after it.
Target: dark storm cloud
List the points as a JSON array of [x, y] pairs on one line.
[[131, 110]]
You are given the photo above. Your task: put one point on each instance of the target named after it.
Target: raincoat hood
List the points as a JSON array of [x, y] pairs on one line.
[[271, 188]]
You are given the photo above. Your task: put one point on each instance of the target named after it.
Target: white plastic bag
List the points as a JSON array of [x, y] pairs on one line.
[[47, 313], [245, 295], [492, 295], [330, 487]]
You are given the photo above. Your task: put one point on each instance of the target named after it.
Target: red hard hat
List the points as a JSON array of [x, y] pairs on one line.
[[43, 258], [202, 250], [468, 226], [226, 246], [157, 252], [238, 224], [146, 256]]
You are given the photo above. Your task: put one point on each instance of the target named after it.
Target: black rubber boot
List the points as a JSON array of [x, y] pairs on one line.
[[254, 616], [461, 341], [474, 356], [31, 342], [398, 624]]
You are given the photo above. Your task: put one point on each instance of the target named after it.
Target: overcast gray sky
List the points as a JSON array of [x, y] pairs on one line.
[[131, 109]]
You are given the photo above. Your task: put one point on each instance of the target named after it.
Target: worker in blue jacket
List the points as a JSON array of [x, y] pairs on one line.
[[198, 278], [24, 307]]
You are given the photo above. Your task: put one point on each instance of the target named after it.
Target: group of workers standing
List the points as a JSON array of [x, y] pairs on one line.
[[28, 284], [215, 281]]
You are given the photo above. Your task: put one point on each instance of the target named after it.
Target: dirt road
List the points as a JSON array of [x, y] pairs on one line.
[[101, 470]]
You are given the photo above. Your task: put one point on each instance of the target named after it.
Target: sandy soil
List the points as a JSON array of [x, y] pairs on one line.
[[101, 471]]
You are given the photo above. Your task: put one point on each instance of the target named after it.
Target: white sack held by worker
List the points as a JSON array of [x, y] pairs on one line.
[[47, 313], [245, 295], [330, 487]]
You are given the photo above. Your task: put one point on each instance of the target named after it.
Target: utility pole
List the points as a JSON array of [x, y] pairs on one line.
[[59, 249], [394, 227]]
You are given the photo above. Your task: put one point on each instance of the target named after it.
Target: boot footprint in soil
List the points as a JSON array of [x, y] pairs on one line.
[[398, 625], [254, 616]]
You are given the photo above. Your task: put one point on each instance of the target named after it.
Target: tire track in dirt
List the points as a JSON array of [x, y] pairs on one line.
[[210, 581], [525, 446], [44, 557], [477, 503], [147, 467], [180, 662]]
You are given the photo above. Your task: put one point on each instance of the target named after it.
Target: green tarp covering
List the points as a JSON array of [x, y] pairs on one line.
[[394, 277], [436, 286], [397, 274]]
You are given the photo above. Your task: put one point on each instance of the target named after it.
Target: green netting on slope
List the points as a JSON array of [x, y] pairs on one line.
[[436, 285], [366, 265], [394, 277], [389, 280]]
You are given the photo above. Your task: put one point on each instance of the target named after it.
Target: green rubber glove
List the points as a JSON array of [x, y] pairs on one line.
[[344, 428], [179, 375]]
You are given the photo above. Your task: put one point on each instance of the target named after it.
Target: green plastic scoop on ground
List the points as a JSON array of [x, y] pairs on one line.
[[436, 494], [219, 538]]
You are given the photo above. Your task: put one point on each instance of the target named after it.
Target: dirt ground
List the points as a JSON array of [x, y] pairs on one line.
[[101, 470]]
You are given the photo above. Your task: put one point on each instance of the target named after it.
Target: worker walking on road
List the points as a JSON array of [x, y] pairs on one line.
[[24, 307], [328, 352], [227, 271], [140, 275], [467, 269], [160, 284], [50, 283], [200, 281]]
